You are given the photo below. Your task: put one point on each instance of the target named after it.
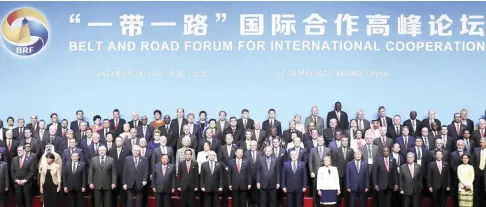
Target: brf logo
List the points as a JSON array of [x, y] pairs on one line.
[[25, 31]]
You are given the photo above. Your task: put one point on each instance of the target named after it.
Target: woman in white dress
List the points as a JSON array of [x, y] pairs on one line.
[[357, 141], [465, 173], [328, 183], [298, 125], [203, 156]]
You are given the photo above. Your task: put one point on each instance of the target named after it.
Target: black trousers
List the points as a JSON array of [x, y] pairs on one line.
[[384, 198], [254, 195], [138, 197], [439, 198], [453, 192], [479, 195], [357, 198], [239, 198], [413, 200], [102, 198], [314, 193], [188, 197], [397, 199], [163, 199], [119, 195], [295, 199], [211, 199], [75, 199], [23, 195], [268, 197], [2, 199], [344, 192]]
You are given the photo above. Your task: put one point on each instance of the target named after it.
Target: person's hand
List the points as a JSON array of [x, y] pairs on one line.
[[113, 186], [18, 182], [179, 189], [83, 190], [313, 175], [366, 190], [65, 189], [230, 187], [258, 185], [144, 183], [339, 192], [41, 190], [226, 168], [430, 190], [153, 189], [91, 186], [171, 191], [377, 188], [125, 187], [319, 193], [303, 190], [448, 189], [401, 192], [58, 188], [195, 189], [284, 190], [249, 186], [278, 186], [349, 190], [6, 189], [395, 188], [150, 177], [203, 189], [220, 189]]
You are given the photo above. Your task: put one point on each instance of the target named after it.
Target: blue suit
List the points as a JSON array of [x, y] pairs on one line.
[[302, 154], [357, 182], [294, 182], [401, 142]]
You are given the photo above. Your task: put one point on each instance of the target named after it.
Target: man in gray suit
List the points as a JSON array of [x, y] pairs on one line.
[[363, 124], [317, 120], [370, 152], [382, 141], [102, 178], [316, 158], [410, 181]]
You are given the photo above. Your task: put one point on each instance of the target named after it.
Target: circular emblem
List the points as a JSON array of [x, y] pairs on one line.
[[25, 31]]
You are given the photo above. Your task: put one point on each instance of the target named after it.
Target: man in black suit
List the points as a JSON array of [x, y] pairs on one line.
[[51, 138], [385, 177], [449, 142], [469, 143], [236, 132], [268, 178], [163, 181], [145, 130], [18, 132], [33, 125], [287, 134], [188, 179], [119, 153], [177, 124], [439, 146], [74, 175], [55, 123], [211, 180], [41, 131], [429, 140], [102, 178], [413, 124], [34, 143], [79, 119], [258, 134], [340, 156], [383, 141], [272, 122], [456, 128], [106, 130], [117, 122], [245, 122], [330, 133], [385, 121], [11, 145], [411, 181], [64, 128], [431, 118], [4, 181], [135, 177], [239, 179], [135, 122], [396, 130], [22, 171], [480, 132], [340, 116], [439, 180], [363, 124], [465, 121]]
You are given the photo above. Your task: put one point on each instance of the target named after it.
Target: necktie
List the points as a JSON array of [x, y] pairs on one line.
[[413, 125], [357, 166], [106, 131], [338, 114], [315, 120], [411, 170], [212, 167], [369, 152], [458, 129], [9, 145], [238, 165], [133, 142], [396, 130], [294, 167], [116, 123], [426, 142], [96, 147], [21, 161], [383, 120], [21, 131], [163, 170], [244, 123], [254, 157], [118, 152], [136, 123], [406, 142], [143, 152], [467, 144], [482, 161], [320, 152], [82, 134], [361, 124], [439, 165], [163, 150], [136, 163], [419, 154], [344, 152], [271, 123], [102, 160], [188, 166], [64, 132], [333, 131], [384, 142], [268, 163], [52, 139], [387, 165], [72, 151], [74, 167], [167, 128]]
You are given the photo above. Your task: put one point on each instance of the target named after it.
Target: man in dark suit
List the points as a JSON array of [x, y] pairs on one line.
[[106, 130], [316, 158], [383, 141], [357, 180], [411, 181], [18, 132], [245, 122], [252, 155], [429, 139], [162, 149], [363, 124], [221, 124], [34, 143], [413, 124], [479, 164], [396, 130], [215, 143], [51, 138], [330, 133], [75, 125], [132, 140], [385, 177], [22, 171], [74, 175], [93, 149], [119, 153], [469, 143], [41, 131], [287, 134], [84, 132], [431, 118], [11, 145], [33, 125], [465, 121], [340, 156], [188, 179], [145, 130], [177, 124], [439, 180], [405, 141], [480, 132], [272, 122], [236, 132], [197, 128], [294, 180], [438, 147], [239, 179], [4, 180], [68, 153], [422, 159], [117, 123], [135, 177], [211, 180], [102, 178], [449, 142], [163, 181], [268, 178], [456, 128], [340, 116], [226, 155], [56, 123], [385, 121], [258, 134], [135, 122], [301, 151], [64, 128]]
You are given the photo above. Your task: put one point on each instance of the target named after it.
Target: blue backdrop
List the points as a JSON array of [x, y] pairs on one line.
[[63, 81]]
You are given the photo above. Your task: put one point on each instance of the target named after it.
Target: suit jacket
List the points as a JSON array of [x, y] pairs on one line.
[[302, 154], [253, 163], [469, 126], [134, 175], [219, 130], [34, 144], [339, 160], [445, 155], [12, 152], [40, 136], [450, 143], [211, 182], [294, 182], [418, 131], [452, 132], [226, 158], [392, 133], [174, 127], [329, 135], [239, 180], [389, 122], [309, 144], [102, 176], [319, 125], [17, 135], [4, 177], [249, 124], [188, 180], [357, 180], [401, 141], [194, 142], [238, 134], [343, 122], [77, 180], [215, 143], [375, 152], [268, 176], [66, 155], [430, 140], [425, 158], [119, 161], [157, 153], [26, 172], [281, 156], [287, 135], [410, 184], [382, 177], [75, 127], [59, 127], [90, 151], [62, 144], [438, 179], [127, 143], [366, 125], [379, 142], [455, 161], [197, 130], [260, 138], [426, 123], [101, 132], [276, 124], [316, 160], [132, 124], [476, 160], [163, 182], [31, 126], [117, 129], [149, 132]]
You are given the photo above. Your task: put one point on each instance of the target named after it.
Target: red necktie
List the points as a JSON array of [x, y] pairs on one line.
[[387, 165], [458, 129], [116, 124], [9, 145], [238, 166], [482, 132], [63, 132], [188, 165]]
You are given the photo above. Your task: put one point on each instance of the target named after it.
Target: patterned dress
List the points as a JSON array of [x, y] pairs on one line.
[[465, 173]]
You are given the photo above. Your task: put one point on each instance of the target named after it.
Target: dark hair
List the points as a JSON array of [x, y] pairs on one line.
[[96, 117], [157, 111], [164, 155], [381, 107], [188, 150], [239, 148], [11, 119], [233, 118], [25, 144], [212, 120], [270, 110], [438, 150], [64, 120], [53, 115], [79, 111], [203, 112], [245, 110], [222, 112], [444, 126], [116, 110], [88, 129], [109, 134], [105, 120], [276, 138], [207, 142], [50, 156]]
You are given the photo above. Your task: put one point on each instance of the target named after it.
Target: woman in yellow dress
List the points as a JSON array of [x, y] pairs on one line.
[[465, 173]]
